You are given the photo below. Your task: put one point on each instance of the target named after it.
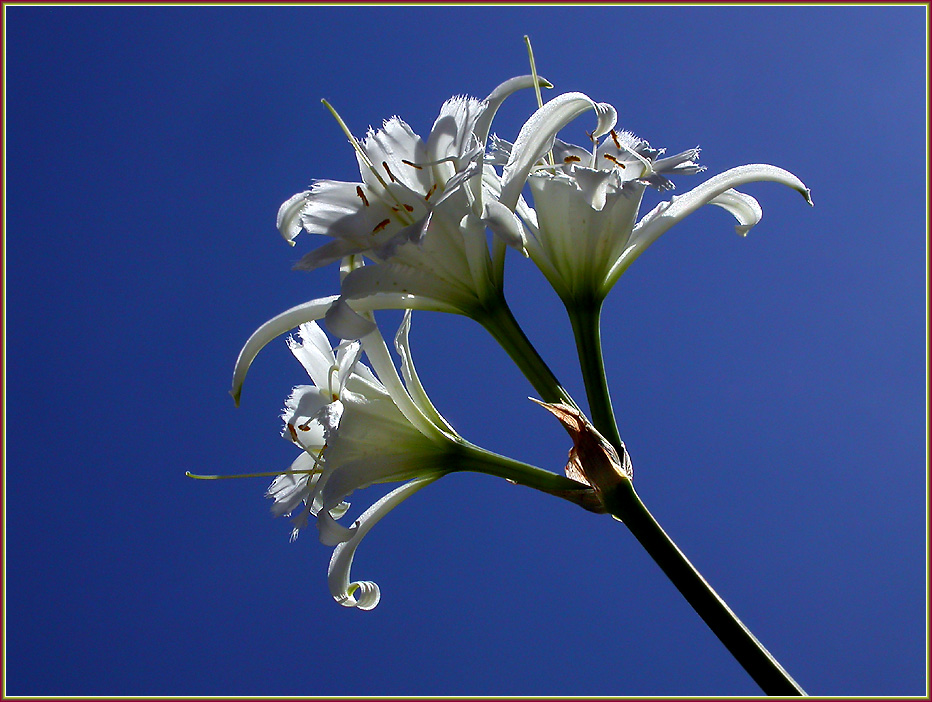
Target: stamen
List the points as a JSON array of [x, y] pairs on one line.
[[615, 139], [540, 100], [362, 195], [614, 160], [572, 159], [305, 427], [430, 192], [388, 170], [413, 165], [312, 471], [381, 225], [407, 207], [293, 432]]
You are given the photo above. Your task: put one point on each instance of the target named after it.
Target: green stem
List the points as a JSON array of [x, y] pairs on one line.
[[498, 320], [584, 316], [470, 457], [623, 503]]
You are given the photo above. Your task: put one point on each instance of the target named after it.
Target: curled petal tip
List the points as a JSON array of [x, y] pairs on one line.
[[807, 193], [235, 393]]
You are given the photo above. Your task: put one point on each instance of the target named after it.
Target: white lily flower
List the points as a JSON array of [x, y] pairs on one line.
[[421, 210], [356, 430], [584, 230]]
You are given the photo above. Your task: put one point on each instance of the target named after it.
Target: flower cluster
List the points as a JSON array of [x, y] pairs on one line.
[[412, 234]]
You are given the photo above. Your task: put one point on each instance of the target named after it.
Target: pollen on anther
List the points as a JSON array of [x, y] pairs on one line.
[[381, 225], [305, 427], [413, 165], [614, 160], [407, 207], [431, 191], [291, 430], [362, 195], [389, 171], [571, 159], [615, 139]]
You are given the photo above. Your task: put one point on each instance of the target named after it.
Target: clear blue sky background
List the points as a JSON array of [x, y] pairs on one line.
[[771, 390]]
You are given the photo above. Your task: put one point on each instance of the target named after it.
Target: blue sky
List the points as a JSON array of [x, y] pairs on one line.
[[771, 390]]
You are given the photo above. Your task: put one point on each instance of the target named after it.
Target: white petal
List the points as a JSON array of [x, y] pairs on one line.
[[504, 224], [666, 214], [331, 532], [348, 354], [497, 97], [398, 279], [344, 322], [537, 135], [412, 381], [388, 149], [745, 208], [313, 352], [289, 216], [364, 594], [290, 489], [278, 325], [452, 133]]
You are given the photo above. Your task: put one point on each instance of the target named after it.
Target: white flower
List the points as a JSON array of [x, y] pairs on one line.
[[584, 224], [420, 212], [356, 430]]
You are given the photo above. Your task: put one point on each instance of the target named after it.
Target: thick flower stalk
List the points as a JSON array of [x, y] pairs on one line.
[[356, 428]]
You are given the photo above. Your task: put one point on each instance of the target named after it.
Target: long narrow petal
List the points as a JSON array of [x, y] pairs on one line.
[[278, 325], [412, 381], [313, 352], [537, 135], [497, 97], [666, 214], [364, 594]]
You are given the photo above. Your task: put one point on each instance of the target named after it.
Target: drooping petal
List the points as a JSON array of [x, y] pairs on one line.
[[364, 594], [666, 214], [401, 279], [289, 216], [537, 134], [278, 325], [661, 219], [497, 97], [745, 208]]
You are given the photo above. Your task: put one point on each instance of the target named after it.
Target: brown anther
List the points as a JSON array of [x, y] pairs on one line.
[[615, 139], [291, 430], [381, 225], [613, 160], [431, 191], [413, 165], [407, 207], [571, 159], [389, 171], [305, 427], [362, 195]]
